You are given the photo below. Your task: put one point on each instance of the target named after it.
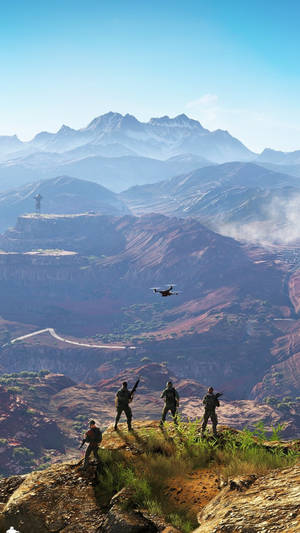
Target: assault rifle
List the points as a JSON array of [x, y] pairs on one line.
[[83, 442], [134, 388], [219, 394]]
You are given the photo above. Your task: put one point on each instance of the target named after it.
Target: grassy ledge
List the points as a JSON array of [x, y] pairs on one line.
[[154, 464]]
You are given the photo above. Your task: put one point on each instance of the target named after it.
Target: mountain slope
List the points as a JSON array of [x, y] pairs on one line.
[[223, 196]]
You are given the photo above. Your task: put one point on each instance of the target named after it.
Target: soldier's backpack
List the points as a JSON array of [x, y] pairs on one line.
[[211, 401], [94, 435], [123, 397], [170, 396]]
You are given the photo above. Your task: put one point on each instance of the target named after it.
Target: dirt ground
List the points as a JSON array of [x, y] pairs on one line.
[[193, 490]]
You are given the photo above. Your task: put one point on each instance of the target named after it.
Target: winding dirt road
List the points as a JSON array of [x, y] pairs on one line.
[[62, 339]]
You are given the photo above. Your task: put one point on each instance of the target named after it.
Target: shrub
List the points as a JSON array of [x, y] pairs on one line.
[[23, 455], [14, 390], [43, 373]]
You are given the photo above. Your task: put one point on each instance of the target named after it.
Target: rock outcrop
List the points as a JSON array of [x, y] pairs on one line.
[[63, 499], [58, 499], [265, 505]]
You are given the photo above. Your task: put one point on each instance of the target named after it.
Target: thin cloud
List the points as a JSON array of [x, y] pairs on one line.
[[206, 100]]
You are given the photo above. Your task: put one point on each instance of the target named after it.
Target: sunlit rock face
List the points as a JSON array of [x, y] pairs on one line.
[[270, 503]]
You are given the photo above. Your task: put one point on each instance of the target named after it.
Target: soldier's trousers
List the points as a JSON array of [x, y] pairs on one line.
[[91, 449], [214, 419], [165, 411], [127, 412]]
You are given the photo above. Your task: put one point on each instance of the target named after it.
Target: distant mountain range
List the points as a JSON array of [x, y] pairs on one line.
[[279, 158], [62, 195], [115, 135], [118, 151]]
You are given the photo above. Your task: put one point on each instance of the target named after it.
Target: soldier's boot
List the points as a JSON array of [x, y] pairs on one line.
[[85, 465], [203, 428], [163, 416], [214, 420], [215, 433], [117, 420]]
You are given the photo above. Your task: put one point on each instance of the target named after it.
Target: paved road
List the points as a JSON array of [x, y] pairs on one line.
[[62, 339]]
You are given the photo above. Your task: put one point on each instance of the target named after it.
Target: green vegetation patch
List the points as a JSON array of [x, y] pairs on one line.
[[23, 455]]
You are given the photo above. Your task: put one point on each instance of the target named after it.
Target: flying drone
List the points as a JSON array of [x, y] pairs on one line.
[[165, 292]]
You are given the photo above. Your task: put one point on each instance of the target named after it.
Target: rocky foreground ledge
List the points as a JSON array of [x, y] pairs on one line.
[[63, 499], [271, 503]]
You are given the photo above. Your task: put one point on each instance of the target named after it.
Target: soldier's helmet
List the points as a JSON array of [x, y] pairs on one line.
[[124, 384], [169, 384], [210, 390]]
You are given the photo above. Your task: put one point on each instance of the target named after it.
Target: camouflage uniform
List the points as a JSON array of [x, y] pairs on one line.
[[171, 398], [93, 436], [211, 402], [123, 398]]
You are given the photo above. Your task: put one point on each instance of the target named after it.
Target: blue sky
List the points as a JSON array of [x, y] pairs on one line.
[[232, 64]]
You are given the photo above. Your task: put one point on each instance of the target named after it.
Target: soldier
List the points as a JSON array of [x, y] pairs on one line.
[[171, 398], [210, 401], [93, 436], [122, 400]]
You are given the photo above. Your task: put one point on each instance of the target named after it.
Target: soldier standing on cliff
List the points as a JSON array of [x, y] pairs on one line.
[[93, 436], [210, 401], [171, 398], [122, 401]]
